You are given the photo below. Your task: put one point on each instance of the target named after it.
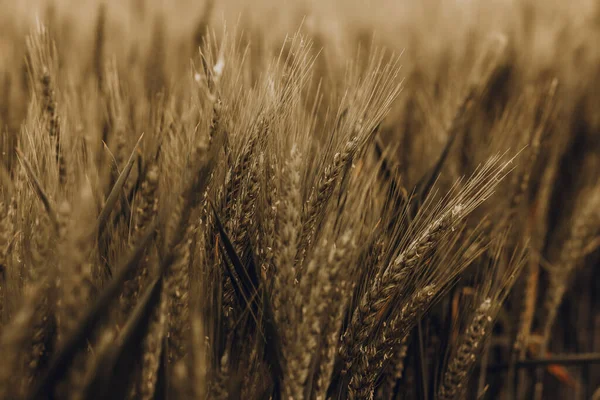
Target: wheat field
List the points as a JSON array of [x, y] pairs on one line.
[[299, 199]]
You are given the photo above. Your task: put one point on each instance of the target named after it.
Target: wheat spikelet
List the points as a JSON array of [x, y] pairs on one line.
[[42, 55], [457, 374], [321, 194], [332, 314], [148, 204], [63, 317], [395, 369], [178, 287], [285, 243], [247, 223], [144, 213], [215, 122], [75, 270], [235, 178], [267, 235], [23, 342], [153, 346], [370, 360], [39, 349]]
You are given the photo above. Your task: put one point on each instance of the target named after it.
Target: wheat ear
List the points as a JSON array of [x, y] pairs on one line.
[[285, 244], [321, 194], [371, 359], [377, 297], [461, 363]]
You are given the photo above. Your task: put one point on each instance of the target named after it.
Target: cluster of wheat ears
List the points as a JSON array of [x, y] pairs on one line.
[[263, 223]]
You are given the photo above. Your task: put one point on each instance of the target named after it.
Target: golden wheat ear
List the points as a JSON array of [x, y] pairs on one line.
[[457, 374]]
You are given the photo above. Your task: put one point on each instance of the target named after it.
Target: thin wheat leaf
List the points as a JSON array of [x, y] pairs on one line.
[[38, 189], [253, 291], [115, 193], [249, 283], [243, 301]]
